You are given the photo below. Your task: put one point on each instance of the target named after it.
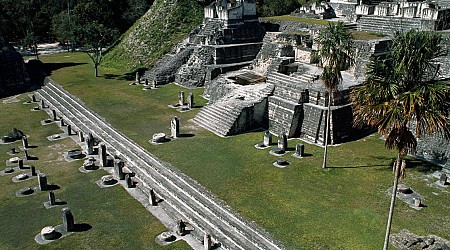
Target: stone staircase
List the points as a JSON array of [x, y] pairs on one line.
[[285, 105], [241, 110], [163, 72], [389, 25]]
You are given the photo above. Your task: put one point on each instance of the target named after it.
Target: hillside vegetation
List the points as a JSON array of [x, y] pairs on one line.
[[153, 35]]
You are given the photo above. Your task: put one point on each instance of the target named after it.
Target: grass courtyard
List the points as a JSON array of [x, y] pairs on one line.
[[301, 205]]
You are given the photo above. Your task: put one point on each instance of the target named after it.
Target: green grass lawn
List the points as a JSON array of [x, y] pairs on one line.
[[304, 207], [118, 221]]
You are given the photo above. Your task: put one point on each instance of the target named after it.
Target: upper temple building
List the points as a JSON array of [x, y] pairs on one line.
[[229, 38], [231, 12]]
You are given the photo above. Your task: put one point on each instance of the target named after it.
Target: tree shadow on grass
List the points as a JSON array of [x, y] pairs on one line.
[[50, 67], [129, 76]]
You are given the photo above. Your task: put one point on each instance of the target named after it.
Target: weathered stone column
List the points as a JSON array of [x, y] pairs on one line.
[[51, 198], [118, 168], [154, 84], [267, 139], [69, 129], [20, 163], [190, 101], [299, 150], [129, 181], [138, 77], [62, 122], [33, 98], [54, 117], [42, 104], [152, 198], [42, 180], [80, 136], [67, 218], [181, 98], [102, 153], [443, 179], [282, 142], [25, 141], [33, 171], [207, 244], [27, 157], [90, 144], [175, 127]]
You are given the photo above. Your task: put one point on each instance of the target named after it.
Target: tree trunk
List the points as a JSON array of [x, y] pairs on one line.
[[394, 194], [327, 131], [96, 69]]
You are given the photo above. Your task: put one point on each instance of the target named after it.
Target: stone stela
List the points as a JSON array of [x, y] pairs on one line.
[[67, 218], [175, 127]]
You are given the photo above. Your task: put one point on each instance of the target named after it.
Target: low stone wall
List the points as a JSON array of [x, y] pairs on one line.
[[288, 26]]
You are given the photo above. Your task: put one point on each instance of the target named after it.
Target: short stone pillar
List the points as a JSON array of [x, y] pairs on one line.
[[299, 150], [102, 153], [42, 180], [62, 122], [138, 77], [33, 171], [51, 198], [181, 227], [181, 98], [129, 181], [190, 101], [443, 179], [67, 218], [267, 139], [80, 136], [282, 142], [417, 202], [54, 117], [118, 169], [207, 244], [69, 129], [13, 150], [27, 157], [42, 104], [146, 82], [154, 84], [90, 144], [25, 141], [20, 164], [152, 198], [33, 98], [175, 127]]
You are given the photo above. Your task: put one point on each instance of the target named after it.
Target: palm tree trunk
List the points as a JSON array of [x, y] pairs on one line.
[[327, 131], [391, 208]]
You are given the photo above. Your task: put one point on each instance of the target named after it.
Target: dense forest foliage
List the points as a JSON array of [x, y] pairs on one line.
[[35, 21]]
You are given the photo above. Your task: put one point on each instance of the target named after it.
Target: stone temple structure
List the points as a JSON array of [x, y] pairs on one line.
[[13, 76], [263, 75], [229, 38]]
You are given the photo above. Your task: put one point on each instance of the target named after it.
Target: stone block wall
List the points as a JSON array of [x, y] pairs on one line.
[[252, 117], [227, 54]]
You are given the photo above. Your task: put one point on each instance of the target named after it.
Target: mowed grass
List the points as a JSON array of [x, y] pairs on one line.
[[118, 221], [302, 206]]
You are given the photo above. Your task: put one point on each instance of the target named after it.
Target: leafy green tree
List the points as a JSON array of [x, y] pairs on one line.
[[335, 53], [93, 30], [402, 98]]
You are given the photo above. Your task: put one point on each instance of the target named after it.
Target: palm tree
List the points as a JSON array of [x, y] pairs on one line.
[[402, 98], [335, 53]]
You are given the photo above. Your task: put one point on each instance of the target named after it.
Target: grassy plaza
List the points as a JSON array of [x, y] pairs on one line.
[[302, 206]]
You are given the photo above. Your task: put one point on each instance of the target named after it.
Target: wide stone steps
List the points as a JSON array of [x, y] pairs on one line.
[[313, 122], [387, 26], [217, 118], [181, 195]]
